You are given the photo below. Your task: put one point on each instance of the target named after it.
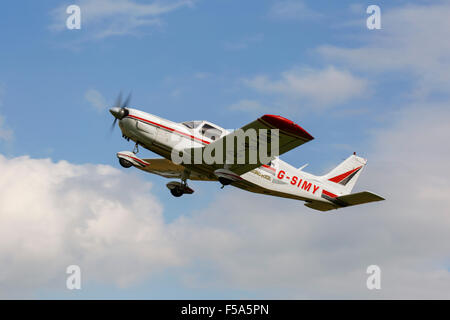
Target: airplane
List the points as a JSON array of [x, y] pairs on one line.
[[275, 177]]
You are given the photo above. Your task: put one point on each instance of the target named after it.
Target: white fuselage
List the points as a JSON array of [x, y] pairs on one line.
[[162, 136]]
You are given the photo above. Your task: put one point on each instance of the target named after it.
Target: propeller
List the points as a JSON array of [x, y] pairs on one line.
[[119, 110]]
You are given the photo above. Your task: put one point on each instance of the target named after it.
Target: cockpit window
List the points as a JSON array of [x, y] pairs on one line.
[[192, 124], [211, 132]]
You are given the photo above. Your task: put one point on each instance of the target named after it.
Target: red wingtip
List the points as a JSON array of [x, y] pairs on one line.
[[287, 126]]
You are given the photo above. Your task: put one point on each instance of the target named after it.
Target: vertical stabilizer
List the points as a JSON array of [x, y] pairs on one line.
[[344, 176]]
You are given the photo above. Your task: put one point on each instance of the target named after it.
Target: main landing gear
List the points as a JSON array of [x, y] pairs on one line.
[[177, 189], [125, 163]]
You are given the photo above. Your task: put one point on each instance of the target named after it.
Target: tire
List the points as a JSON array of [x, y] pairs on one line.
[[125, 163], [176, 192]]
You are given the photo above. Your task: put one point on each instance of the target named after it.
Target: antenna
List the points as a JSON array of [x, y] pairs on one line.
[[303, 166]]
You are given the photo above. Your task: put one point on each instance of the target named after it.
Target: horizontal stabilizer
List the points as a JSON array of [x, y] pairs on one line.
[[345, 201], [320, 205], [358, 198]]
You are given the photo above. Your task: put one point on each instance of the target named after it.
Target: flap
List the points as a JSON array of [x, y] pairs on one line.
[[168, 169]]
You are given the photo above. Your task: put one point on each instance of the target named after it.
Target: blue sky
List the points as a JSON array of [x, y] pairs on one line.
[[222, 41], [223, 61]]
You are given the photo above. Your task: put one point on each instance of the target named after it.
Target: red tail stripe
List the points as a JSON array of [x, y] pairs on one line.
[[341, 177]]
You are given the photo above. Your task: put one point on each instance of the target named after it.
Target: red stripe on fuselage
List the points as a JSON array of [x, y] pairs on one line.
[[268, 167], [168, 128], [332, 195], [182, 133]]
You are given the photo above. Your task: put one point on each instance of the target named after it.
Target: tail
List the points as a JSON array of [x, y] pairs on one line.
[[341, 181], [344, 176]]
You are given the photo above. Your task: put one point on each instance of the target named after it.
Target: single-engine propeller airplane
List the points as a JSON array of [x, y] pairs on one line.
[[275, 177]]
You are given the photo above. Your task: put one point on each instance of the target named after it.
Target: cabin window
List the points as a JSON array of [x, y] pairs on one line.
[[211, 132]]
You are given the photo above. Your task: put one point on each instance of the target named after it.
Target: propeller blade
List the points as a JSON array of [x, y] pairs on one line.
[[119, 111], [118, 100], [127, 101], [113, 124]]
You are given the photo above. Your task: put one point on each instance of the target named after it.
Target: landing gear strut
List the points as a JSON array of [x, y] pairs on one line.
[[136, 148]]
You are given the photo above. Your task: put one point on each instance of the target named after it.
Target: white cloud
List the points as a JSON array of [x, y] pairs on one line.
[[413, 40], [56, 214], [292, 10], [104, 18], [281, 249], [96, 99], [320, 88]]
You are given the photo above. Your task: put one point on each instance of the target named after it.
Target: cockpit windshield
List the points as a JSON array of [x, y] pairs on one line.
[[192, 124]]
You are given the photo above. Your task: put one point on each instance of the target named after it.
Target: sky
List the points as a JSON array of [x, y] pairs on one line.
[[65, 200]]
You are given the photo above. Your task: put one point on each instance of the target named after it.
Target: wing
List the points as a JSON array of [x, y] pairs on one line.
[[162, 167], [279, 136], [168, 169]]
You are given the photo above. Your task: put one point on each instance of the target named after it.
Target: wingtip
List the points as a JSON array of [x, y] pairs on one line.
[[287, 125]]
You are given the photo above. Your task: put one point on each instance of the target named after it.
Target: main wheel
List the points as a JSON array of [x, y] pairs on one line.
[[125, 163], [176, 192]]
